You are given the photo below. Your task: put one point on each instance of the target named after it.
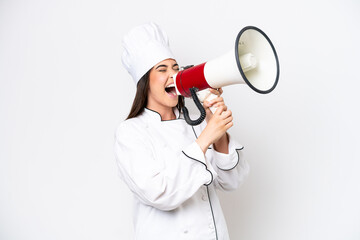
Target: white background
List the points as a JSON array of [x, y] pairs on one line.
[[63, 91]]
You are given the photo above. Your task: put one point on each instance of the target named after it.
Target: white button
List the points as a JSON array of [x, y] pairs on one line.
[[204, 197], [211, 226], [185, 231]]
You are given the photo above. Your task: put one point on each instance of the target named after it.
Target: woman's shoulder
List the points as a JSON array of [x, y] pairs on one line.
[[132, 126]]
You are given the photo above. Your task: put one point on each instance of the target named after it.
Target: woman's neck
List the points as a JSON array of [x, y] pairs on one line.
[[166, 113]]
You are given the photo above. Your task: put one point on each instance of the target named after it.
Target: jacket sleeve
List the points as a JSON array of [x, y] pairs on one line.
[[231, 168], [148, 177]]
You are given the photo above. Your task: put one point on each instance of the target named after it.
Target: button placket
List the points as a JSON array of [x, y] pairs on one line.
[[204, 197]]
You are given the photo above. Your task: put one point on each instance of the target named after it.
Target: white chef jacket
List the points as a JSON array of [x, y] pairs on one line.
[[173, 182]]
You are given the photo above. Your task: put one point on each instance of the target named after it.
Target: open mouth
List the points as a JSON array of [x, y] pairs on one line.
[[171, 90]]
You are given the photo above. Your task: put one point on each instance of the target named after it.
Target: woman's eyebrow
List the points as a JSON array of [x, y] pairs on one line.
[[161, 66]]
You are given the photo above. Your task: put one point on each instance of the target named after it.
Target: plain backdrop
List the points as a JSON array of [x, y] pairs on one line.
[[63, 91]]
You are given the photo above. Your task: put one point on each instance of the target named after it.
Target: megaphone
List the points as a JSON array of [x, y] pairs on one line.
[[253, 61]]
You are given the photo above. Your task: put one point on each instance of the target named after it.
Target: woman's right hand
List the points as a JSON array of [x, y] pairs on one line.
[[217, 126]]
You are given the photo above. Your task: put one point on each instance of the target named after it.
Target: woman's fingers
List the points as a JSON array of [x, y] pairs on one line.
[[224, 117], [219, 110], [229, 125], [226, 114], [207, 104], [221, 104], [218, 91], [228, 119], [214, 101]]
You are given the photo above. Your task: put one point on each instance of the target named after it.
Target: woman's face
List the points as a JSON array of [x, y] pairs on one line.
[[161, 85]]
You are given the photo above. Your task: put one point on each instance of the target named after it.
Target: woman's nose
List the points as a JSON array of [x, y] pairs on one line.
[[172, 73]]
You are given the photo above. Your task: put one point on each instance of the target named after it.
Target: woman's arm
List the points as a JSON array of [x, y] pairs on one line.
[[219, 137], [222, 145], [226, 155], [215, 130]]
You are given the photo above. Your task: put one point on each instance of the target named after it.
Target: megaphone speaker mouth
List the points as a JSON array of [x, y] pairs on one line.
[[257, 60]]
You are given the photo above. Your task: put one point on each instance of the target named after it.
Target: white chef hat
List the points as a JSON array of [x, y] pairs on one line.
[[144, 47]]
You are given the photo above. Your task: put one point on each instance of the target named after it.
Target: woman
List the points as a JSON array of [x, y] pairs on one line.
[[171, 167]]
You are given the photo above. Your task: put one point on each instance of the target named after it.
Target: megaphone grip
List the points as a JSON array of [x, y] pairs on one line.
[[198, 105], [209, 98]]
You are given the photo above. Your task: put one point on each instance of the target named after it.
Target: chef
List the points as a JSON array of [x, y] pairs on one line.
[[173, 169]]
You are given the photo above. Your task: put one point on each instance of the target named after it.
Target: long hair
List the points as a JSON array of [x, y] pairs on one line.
[[140, 100]]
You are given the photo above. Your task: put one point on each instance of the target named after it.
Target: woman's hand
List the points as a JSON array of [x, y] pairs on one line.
[[215, 131], [216, 102]]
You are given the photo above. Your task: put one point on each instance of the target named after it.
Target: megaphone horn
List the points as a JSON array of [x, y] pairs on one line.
[[253, 61]]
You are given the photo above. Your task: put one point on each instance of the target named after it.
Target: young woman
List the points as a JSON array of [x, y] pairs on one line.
[[172, 168]]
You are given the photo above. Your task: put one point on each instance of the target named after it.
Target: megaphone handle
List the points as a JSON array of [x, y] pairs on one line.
[[209, 98]]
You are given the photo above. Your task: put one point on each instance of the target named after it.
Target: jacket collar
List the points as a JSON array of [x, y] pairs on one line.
[[156, 116]]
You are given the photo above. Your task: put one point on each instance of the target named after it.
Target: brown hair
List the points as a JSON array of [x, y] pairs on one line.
[[140, 100]]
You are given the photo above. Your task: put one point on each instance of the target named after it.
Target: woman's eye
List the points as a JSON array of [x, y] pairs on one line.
[[162, 70]]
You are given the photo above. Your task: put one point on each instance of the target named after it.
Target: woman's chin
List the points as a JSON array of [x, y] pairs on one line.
[[172, 100]]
